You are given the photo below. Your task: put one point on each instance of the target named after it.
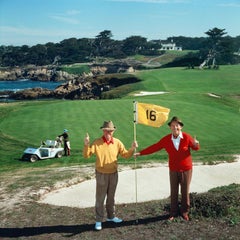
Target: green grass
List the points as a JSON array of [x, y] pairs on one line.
[[215, 121], [165, 58], [76, 69], [224, 81]]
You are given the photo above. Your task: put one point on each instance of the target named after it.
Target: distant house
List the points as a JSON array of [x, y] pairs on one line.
[[237, 53], [170, 46]]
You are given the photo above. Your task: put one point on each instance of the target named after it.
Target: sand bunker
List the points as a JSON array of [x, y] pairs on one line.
[[152, 184], [143, 93]]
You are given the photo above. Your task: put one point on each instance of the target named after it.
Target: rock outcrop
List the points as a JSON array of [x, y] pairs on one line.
[[43, 73], [81, 89], [89, 85], [52, 73], [30, 94]]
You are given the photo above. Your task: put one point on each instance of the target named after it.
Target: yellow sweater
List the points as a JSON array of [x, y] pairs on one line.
[[107, 154]]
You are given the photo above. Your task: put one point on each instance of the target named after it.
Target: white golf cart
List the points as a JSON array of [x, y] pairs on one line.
[[48, 149]]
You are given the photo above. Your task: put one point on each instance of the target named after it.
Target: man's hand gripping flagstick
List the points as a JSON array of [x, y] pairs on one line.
[[86, 140], [195, 141]]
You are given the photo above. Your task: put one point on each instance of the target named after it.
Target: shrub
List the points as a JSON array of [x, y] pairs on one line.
[[218, 202]]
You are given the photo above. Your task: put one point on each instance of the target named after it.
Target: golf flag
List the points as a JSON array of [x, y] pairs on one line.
[[150, 114]]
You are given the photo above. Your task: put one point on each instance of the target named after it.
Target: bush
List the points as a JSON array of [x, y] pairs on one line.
[[218, 202]]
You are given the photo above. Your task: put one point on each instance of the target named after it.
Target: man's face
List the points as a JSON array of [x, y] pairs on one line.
[[175, 128], [108, 134]]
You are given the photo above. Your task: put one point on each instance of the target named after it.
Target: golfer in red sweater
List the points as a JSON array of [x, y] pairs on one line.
[[178, 145]]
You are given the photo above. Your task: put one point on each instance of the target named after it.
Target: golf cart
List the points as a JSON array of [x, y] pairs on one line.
[[48, 149]]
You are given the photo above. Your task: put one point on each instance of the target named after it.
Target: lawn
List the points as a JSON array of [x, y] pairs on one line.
[[214, 119]]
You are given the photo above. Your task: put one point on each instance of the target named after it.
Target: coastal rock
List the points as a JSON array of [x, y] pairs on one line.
[[52, 73], [75, 89], [30, 94], [101, 78], [36, 73], [80, 89]]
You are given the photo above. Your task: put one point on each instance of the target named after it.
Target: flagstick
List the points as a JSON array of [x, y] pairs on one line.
[[136, 190], [135, 158]]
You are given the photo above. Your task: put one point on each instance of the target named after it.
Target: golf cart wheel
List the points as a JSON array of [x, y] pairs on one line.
[[59, 154], [25, 157], [33, 158]]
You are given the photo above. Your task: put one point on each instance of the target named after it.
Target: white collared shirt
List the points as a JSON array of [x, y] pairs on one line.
[[176, 141]]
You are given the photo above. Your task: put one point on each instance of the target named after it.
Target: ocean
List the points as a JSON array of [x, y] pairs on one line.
[[26, 84]]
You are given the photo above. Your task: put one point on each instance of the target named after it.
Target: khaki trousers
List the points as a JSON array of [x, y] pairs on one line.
[[183, 179], [106, 184]]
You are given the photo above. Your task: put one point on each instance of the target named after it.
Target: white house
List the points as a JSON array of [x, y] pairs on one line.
[[170, 46]]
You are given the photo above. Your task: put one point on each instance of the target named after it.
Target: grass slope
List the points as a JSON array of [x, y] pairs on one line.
[[213, 120]]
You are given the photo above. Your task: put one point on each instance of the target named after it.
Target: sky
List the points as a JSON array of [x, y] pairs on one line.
[[31, 22]]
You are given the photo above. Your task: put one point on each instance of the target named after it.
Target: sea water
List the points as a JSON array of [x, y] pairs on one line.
[[26, 84]]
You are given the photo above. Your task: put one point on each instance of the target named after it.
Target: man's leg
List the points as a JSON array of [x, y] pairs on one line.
[[65, 149], [110, 203], [101, 191], [174, 189], [185, 188]]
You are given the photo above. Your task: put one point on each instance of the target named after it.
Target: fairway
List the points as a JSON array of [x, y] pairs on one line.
[[214, 120]]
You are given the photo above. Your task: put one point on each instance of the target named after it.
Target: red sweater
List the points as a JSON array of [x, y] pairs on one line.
[[179, 160]]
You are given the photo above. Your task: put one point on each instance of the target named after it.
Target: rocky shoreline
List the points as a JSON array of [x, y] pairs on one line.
[[101, 78]]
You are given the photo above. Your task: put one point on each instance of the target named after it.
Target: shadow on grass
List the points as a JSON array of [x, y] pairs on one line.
[[72, 230]]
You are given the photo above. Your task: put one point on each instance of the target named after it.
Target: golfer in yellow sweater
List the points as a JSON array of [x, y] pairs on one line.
[[107, 149]]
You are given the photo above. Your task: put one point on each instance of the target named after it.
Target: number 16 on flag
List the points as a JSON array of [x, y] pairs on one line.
[[150, 114]]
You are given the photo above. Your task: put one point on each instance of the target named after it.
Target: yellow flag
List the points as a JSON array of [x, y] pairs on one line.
[[151, 115]]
